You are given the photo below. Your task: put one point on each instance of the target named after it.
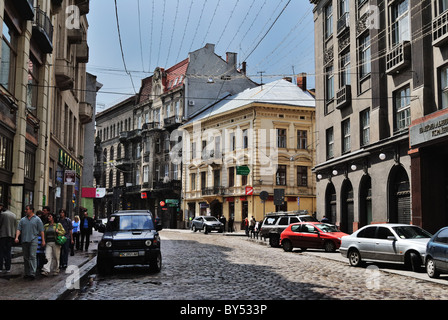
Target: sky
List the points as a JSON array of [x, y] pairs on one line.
[[274, 37]]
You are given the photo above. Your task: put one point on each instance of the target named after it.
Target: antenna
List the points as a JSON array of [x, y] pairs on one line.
[[261, 74]]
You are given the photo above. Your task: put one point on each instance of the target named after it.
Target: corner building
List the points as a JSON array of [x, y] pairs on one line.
[[381, 85]]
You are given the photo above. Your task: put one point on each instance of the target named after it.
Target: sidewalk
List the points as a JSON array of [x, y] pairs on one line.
[[14, 287]]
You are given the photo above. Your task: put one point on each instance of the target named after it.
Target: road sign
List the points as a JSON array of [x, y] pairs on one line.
[[242, 170], [264, 195], [249, 191]]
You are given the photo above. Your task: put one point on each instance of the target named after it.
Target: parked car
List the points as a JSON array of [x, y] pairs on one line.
[[274, 224], [395, 243], [130, 237], [207, 224], [436, 259], [314, 235]]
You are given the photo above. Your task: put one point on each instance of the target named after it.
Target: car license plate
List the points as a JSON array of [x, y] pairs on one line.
[[128, 254]]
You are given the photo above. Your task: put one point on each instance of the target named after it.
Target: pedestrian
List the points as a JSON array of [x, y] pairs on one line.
[[257, 229], [40, 253], [230, 224], [252, 227], [325, 220], [28, 231], [76, 232], [8, 227], [223, 220], [65, 248], [86, 226], [52, 250], [246, 226], [45, 212]]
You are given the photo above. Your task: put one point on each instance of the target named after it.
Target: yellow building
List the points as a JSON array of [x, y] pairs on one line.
[[260, 141]]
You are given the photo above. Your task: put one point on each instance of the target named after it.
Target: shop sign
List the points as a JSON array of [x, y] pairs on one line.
[[429, 130]]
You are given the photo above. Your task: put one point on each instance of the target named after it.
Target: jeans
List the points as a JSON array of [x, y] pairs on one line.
[[52, 253], [85, 236], [65, 249], [29, 258], [5, 252]]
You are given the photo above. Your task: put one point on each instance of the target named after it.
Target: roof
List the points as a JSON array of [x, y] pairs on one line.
[[280, 92]]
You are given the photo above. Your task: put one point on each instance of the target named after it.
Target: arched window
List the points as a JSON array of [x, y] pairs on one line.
[[347, 207]]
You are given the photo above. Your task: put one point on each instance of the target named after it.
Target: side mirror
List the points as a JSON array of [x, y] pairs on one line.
[[159, 227]]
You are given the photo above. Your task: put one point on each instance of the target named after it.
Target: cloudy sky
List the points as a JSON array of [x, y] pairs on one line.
[[275, 37]]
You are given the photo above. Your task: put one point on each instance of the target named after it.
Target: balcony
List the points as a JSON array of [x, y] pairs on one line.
[[440, 29], [151, 126], [171, 185], [172, 123], [25, 8], [85, 112], [74, 36], [124, 164], [398, 58], [213, 191], [83, 5], [344, 97], [343, 24], [43, 31], [82, 52], [65, 74]]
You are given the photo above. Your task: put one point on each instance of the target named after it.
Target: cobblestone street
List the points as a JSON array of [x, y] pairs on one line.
[[216, 267]]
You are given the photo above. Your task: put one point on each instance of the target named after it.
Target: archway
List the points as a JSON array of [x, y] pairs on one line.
[[365, 201], [330, 203], [347, 207], [399, 196]]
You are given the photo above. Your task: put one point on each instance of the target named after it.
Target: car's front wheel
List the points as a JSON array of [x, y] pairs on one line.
[[329, 246], [431, 269], [354, 257], [194, 229]]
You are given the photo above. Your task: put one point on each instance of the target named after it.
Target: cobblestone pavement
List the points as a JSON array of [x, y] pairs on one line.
[[216, 267]]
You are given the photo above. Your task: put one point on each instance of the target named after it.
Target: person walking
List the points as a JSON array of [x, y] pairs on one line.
[[65, 248], [52, 250], [8, 227], [230, 224], [86, 226], [28, 230], [76, 232]]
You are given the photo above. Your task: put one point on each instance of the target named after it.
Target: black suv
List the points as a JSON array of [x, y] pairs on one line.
[[130, 237], [274, 224]]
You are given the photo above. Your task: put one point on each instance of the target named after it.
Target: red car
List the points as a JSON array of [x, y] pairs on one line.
[[316, 235]]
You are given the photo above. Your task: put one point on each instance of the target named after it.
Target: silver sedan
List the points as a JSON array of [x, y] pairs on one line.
[[396, 243]]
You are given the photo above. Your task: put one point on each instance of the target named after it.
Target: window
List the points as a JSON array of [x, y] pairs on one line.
[[203, 180], [5, 153], [33, 84], [444, 86], [346, 136], [364, 55], [328, 21], [8, 58], [442, 6], [302, 142], [365, 127], [329, 84], [368, 232], [402, 103], [302, 176], [330, 143], [281, 138], [231, 177], [245, 139], [400, 27], [383, 233], [281, 175], [345, 69], [193, 181], [146, 174]]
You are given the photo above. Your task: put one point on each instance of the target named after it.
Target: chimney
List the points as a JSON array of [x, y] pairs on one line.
[[301, 81], [289, 79], [231, 59], [243, 69]]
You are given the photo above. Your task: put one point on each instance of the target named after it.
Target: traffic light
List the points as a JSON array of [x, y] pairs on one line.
[[279, 197]]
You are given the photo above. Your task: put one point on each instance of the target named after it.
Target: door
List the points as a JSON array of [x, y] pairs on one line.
[[440, 250], [295, 235], [385, 249], [310, 237], [365, 242]]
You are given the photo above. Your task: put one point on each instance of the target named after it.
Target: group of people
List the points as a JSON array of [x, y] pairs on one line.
[[38, 234], [252, 227]]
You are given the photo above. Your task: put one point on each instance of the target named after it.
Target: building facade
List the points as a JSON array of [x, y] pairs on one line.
[[379, 67], [39, 51], [166, 100], [260, 140]]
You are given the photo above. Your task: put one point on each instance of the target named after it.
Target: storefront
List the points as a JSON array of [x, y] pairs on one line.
[[429, 170]]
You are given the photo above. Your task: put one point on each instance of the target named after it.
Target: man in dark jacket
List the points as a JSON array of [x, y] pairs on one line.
[[86, 226]]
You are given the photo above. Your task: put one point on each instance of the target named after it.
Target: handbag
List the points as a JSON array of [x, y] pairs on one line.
[[60, 240]]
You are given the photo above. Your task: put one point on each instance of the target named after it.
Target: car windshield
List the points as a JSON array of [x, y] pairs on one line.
[[411, 232], [210, 219], [324, 227], [308, 219], [130, 222]]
